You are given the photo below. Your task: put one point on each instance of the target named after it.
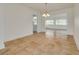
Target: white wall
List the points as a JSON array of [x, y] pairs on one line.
[[70, 17], [39, 25], [2, 22], [2, 26], [15, 22], [76, 19], [43, 24], [18, 21]]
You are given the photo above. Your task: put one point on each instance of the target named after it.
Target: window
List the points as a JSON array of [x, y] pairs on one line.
[[56, 22], [35, 20], [49, 22], [61, 22]]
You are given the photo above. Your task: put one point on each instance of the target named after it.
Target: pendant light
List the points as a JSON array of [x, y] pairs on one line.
[[46, 14]]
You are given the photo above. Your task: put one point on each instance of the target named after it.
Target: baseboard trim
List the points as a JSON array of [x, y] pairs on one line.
[[77, 42], [19, 37], [2, 45]]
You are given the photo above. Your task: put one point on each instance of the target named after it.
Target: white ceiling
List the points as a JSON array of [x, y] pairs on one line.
[[51, 6]]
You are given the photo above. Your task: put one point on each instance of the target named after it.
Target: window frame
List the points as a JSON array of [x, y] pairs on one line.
[[61, 23]]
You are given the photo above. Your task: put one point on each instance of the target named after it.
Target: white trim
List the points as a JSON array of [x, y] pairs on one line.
[[77, 42], [2, 44], [17, 37]]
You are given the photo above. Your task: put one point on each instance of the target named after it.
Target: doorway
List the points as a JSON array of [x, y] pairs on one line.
[[35, 24]]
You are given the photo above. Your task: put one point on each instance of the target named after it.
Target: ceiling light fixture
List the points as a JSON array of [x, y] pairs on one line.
[[46, 14]]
